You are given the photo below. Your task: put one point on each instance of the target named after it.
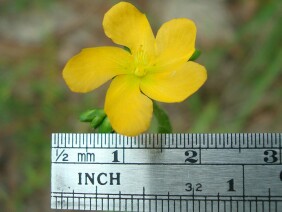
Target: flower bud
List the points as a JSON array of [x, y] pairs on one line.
[[98, 119], [105, 126], [89, 115]]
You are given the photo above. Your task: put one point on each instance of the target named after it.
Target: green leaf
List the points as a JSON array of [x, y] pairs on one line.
[[164, 125], [195, 55]]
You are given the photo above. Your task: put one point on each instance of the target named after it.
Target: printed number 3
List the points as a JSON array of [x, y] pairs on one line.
[[271, 156]]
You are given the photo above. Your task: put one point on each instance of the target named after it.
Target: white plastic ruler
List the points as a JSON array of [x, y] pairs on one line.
[[167, 172]]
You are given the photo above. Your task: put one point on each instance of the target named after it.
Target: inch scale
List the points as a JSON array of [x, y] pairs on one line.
[[167, 172]]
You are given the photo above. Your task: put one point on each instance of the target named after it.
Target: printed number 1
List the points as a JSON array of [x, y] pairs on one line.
[[231, 185], [115, 153]]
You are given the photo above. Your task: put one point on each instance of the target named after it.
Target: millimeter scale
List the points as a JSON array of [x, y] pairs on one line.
[[167, 172]]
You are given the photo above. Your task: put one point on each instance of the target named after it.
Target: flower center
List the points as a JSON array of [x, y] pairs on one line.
[[140, 71], [141, 62]]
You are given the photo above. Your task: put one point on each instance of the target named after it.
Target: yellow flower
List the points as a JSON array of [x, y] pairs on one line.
[[156, 68]]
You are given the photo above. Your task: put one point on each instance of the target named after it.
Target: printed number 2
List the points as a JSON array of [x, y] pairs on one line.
[[271, 156], [191, 154]]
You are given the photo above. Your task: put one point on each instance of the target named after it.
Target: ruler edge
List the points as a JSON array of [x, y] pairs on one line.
[[194, 137]]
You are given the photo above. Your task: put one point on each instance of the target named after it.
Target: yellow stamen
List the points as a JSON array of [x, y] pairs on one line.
[[141, 62]]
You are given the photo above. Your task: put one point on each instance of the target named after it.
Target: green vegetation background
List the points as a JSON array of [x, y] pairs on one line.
[[243, 92]]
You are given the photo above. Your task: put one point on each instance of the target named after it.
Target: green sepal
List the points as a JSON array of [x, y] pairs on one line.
[[105, 126], [164, 125], [195, 55]]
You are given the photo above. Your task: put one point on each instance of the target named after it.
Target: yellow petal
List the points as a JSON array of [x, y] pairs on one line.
[[174, 86], [175, 42], [128, 110], [127, 26], [92, 67]]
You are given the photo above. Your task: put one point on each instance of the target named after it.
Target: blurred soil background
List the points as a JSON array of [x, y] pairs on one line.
[[240, 42]]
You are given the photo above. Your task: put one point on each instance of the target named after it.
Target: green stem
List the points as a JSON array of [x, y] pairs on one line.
[[164, 125]]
